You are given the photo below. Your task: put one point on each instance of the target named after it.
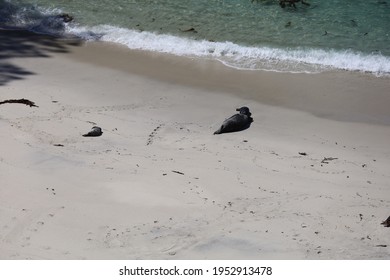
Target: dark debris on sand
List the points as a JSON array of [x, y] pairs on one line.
[[20, 101]]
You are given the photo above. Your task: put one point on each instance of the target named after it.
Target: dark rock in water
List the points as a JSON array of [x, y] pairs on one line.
[[96, 131], [53, 24], [387, 222], [236, 122], [291, 3], [65, 17], [189, 30]]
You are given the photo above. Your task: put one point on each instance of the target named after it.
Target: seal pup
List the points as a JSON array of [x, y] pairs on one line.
[[237, 122], [96, 131], [386, 223]]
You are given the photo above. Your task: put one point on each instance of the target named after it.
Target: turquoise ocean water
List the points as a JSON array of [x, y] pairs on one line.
[[352, 35]]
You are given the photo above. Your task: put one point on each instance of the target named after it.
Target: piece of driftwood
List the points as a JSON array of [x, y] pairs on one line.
[[21, 101], [326, 159]]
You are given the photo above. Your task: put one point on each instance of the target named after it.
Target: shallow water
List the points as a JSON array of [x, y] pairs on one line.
[[333, 34]]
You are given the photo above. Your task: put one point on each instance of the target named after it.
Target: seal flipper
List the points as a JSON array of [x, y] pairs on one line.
[[219, 131]]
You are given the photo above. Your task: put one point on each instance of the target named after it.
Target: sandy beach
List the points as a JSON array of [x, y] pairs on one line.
[[308, 180]]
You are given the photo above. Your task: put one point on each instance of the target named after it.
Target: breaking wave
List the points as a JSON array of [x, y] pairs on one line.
[[238, 56], [309, 60]]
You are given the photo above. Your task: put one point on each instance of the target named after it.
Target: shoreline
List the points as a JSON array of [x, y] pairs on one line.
[[310, 173], [335, 94]]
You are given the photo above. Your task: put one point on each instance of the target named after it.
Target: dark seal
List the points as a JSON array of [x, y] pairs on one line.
[[96, 131], [386, 223], [237, 122]]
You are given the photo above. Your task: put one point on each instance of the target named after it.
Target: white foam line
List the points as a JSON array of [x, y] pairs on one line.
[[240, 57]]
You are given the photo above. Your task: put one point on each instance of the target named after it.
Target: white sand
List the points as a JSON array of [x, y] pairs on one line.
[[159, 185]]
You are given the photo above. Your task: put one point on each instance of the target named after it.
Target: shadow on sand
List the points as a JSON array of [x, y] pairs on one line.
[[16, 42], [25, 44]]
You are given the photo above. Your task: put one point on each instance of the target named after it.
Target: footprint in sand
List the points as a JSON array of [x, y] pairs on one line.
[[52, 190]]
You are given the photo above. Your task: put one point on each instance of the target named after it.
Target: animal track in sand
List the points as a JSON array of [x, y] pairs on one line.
[[87, 109], [52, 190], [153, 134], [164, 237], [27, 225]]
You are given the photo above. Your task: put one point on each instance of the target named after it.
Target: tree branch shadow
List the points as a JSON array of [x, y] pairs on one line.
[[25, 44], [17, 42]]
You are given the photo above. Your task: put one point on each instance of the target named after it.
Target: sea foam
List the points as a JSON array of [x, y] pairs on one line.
[[271, 58], [238, 56]]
